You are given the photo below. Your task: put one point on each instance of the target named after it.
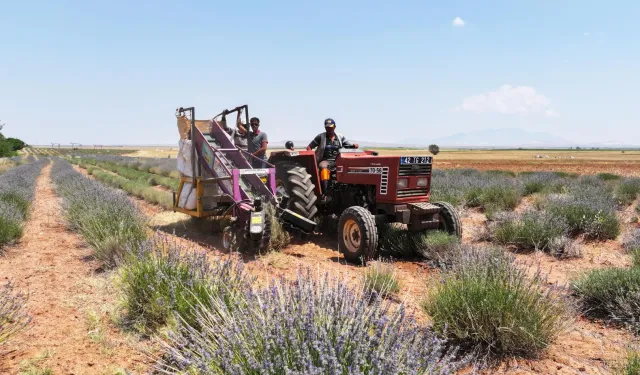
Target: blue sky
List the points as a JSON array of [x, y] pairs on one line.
[[114, 72]]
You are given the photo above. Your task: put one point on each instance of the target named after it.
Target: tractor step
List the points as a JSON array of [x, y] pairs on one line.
[[423, 208], [297, 220]]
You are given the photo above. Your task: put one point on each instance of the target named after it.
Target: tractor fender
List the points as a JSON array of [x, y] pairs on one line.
[[306, 159]]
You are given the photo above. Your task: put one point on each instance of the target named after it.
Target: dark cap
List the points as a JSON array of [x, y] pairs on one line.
[[329, 123]]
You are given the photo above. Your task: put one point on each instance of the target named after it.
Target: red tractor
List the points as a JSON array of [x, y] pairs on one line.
[[365, 190]]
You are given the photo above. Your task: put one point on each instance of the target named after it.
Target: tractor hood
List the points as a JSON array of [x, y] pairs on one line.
[[399, 179]]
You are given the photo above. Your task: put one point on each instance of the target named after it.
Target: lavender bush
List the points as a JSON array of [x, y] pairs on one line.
[[631, 364], [532, 230], [543, 182], [608, 176], [106, 218], [488, 304], [12, 312], [589, 207], [436, 247], [631, 243], [440, 248], [612, 294], [380, 279], [11, 219], [315, 325], [628, 190], [491, 191], [164, 280], [395, 240]]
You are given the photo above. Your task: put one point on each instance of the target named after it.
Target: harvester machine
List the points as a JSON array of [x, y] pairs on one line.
[[219, 181]]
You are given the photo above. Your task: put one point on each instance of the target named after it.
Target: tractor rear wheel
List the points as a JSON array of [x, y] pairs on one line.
[[293, 180], [357, 234], [449, 219]]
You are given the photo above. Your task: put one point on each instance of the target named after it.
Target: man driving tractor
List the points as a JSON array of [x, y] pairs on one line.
[[327, 147]]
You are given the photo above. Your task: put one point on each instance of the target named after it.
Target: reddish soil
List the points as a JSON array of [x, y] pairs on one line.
[[71, 331]]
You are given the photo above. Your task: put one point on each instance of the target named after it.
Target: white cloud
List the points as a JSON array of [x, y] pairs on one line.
[[457, 22], [521, 100]]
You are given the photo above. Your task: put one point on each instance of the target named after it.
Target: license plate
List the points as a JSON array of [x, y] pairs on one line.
[[415, 160]]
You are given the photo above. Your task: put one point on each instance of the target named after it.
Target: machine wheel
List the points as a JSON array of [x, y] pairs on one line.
[[449, 219], [293, 180], [262, 245], [357, 234], [229, 239]]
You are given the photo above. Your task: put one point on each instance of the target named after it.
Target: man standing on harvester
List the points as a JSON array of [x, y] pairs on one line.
[[327, 147], [258, 144]]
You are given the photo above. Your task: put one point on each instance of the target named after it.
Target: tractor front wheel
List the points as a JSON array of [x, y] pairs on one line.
[[357, 234], [449, 219]]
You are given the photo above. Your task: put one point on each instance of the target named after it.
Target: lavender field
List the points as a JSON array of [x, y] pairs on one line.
[[430, 305]]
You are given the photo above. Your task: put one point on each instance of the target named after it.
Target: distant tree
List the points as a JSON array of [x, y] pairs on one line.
[[434, 149], [16, 144], [6, 147]]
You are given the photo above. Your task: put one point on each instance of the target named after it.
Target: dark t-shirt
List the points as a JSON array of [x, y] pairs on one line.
[[256, 143], [330, 148]]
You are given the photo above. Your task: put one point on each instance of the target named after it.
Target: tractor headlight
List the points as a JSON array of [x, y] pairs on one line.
[[403, 183], [423, 182]]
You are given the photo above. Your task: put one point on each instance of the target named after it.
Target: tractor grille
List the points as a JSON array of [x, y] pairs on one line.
[[414, 170], [412, 192]]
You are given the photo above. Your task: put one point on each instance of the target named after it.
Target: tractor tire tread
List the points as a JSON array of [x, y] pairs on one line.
[[451, 217], [296, 172], [307, 188]]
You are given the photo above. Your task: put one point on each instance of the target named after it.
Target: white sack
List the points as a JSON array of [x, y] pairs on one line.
[[187, 199], [184, 158]]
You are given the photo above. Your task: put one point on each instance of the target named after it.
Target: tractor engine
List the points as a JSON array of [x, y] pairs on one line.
[[346, 195]]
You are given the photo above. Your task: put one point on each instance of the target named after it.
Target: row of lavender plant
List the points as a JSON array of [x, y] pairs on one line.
[[160, 166], [565, 205], [17, 189], [106, 218]]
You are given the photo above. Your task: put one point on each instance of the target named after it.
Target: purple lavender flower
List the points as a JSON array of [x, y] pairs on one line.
[[315, 325]]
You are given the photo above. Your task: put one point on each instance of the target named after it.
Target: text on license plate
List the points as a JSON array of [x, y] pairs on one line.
[[416, 160]]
